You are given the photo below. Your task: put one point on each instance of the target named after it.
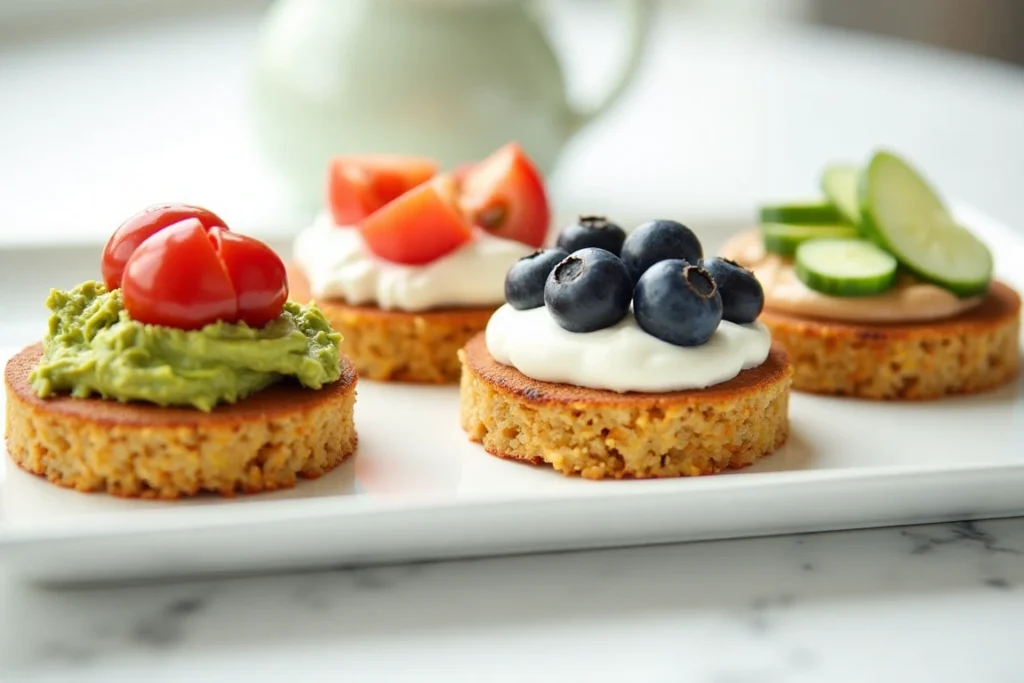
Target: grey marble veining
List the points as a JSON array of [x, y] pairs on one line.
[[930, 603]]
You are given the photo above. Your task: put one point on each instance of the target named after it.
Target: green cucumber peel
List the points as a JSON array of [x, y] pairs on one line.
[[902, 214]]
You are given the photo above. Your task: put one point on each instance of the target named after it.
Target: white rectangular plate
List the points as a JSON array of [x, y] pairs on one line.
[[417, 489]]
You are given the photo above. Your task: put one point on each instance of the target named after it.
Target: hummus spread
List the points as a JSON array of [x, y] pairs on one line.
[[910, 300]]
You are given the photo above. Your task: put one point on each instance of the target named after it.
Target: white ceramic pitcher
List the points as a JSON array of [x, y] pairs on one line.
[[451, 79]]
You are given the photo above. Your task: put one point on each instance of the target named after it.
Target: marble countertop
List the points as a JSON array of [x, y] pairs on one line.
[[930, 603]]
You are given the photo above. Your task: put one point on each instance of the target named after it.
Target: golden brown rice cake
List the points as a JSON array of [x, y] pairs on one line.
[[395, 345], [975, 351], [262, 443], [604, 434]]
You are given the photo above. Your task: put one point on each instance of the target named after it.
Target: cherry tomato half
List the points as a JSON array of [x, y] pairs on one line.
[[257, 273], [175, 278], [134, 231]]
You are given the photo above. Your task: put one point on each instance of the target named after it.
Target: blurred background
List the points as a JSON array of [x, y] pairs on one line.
[[109, 105], [991, 28]]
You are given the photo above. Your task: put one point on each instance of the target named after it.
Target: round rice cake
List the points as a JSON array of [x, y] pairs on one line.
[[975, 351], [398, 346], [601, 434], [262, 443]]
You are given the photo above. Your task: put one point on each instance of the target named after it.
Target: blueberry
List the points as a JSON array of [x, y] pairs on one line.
[[657, 241], [524, 281], [592, 231], [677, 303], [588, 291], [742, 295]]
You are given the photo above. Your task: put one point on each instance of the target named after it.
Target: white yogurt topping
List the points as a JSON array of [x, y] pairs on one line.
[[622, 357], [339, 265]]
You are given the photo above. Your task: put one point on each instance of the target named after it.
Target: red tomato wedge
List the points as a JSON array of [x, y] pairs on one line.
[[420, 226], [359, 185], [505, 195], [134, 231], [257, 274], [175, 278]]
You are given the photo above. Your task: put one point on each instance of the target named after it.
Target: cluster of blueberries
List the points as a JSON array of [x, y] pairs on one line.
[[595, 272]]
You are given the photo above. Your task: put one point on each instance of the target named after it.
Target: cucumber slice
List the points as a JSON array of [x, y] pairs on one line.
[[807, 213], [902, 214], [839, 183], [783, 239], [845, 267]]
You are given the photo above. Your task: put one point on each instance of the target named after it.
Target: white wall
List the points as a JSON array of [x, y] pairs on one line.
[[750, 10]]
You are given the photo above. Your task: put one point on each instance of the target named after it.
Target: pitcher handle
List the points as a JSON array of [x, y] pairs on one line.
[[638, 14]]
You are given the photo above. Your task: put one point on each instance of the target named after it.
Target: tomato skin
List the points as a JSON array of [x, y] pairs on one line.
[[175, 278], [359, 185], [392, 175], [505, 195], [418, 227], [134, 231], [351, 198], [257, 274], [460, 172]]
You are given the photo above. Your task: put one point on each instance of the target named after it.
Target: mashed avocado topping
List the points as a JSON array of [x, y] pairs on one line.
[[93, 347]]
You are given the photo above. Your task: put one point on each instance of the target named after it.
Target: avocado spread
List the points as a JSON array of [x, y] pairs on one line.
[[93, 347]]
